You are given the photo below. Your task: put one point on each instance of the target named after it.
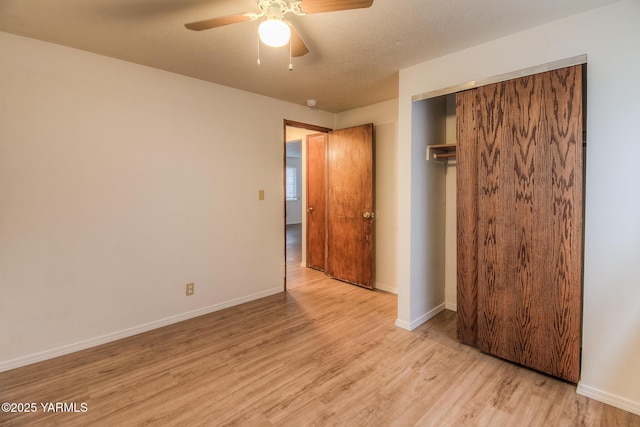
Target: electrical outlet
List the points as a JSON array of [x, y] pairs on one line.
[[190, 289]]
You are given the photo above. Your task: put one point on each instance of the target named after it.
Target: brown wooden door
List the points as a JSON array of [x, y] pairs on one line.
[[316, 200], [520, 220], [350, 205]]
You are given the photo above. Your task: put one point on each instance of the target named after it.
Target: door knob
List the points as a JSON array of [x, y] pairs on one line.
[[368, 215], [310, 210]]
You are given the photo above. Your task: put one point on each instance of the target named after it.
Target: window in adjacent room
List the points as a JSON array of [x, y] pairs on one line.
[[291, 183]]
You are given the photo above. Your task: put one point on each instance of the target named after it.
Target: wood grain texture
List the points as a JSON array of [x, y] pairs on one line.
[[492, 266], [529, 231], [567, 216], [529, 207], [350, 184], [304, 358], [322, 6], [316, 200], [467, 217], [208, 24], [298, 46]]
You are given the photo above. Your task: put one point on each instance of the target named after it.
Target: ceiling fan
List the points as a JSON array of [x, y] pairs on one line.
[[274, 30]]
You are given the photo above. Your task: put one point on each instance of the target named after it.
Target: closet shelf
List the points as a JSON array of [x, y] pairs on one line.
[[441, 152]]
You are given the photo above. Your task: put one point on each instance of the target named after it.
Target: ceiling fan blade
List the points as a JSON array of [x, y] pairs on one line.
[[321, 6], [298, 48], [217, 22]]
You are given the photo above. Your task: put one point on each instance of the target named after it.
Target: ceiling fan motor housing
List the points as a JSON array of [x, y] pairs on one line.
[[278, 8]]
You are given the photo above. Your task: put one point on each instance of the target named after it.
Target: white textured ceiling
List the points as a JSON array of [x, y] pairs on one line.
[[354, 55]]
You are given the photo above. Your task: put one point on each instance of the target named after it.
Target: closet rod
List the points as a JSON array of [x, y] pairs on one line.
[[437, 156]]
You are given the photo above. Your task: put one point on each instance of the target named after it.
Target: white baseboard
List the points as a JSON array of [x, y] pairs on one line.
[[410, 326], [608, 398], [82, 345], [452, 307], [403, 324], [386, 288]]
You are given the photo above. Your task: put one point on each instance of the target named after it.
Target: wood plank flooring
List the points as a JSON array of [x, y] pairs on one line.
[[325, 353]]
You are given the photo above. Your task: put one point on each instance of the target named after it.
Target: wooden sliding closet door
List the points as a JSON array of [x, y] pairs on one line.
[[520, 220]]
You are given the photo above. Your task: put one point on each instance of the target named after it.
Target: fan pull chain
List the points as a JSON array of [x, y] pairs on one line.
[[290, 61], [258, 49]]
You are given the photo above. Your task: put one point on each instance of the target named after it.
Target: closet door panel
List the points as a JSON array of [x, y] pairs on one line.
[[564, 112], [495, 187], [531, 204], [467, 217]]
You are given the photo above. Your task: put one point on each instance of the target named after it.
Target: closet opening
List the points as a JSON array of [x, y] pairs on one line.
[[503, 212], [438, 130]]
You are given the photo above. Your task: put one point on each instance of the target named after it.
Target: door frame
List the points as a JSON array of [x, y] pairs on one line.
[[300, 125]]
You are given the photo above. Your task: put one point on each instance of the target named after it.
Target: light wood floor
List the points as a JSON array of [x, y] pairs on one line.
[[324, 353]]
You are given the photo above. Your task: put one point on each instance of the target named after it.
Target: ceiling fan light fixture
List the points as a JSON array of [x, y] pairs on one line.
[[274, 32]]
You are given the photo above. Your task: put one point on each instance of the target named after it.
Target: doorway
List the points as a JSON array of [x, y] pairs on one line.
[[345, 248], [295, 134]]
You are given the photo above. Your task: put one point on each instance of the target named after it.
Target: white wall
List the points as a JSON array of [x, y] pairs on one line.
[[118, 185], [451, 255], [610, 36], [426, 242], [384, 116]]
